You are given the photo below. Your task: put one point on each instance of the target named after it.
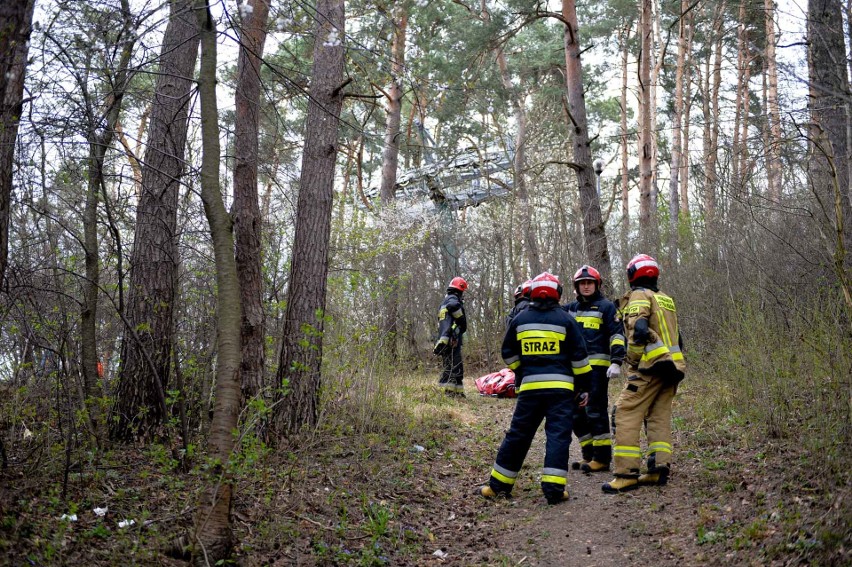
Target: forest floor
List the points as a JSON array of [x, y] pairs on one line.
[[401, 492]]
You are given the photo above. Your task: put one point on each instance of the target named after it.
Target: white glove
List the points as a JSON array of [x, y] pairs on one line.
[[613, 371]]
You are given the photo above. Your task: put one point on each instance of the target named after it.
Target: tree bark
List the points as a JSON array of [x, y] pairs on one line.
[[15, 26], [711, 121], [684, 176], [390, 160], [646, 142], [658, 59], [829, 91], [739, 143], [596, 249], [246, 207], [146, 346], [519, 162], [773, 161], [624, 37], [301, 350], [677, 137], [101, 132], [213, 522]]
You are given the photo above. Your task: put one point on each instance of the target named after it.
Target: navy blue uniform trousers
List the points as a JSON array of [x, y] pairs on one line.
[[591, 423], [556, 409]]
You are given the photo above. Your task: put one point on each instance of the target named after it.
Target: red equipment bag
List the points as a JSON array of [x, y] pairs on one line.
[[497, 384]]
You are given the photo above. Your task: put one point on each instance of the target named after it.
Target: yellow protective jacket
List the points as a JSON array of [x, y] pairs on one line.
[[659, 354]]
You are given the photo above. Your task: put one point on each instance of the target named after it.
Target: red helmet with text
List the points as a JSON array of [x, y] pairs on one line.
[[457, 283], [642, 266], [587, 273], [546, 286]]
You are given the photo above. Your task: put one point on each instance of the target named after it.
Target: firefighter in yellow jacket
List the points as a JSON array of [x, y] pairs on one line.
[[655, 366]]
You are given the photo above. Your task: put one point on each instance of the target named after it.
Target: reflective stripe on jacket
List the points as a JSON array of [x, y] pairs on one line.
[[601, 327], [452, 322], [545, 348], [661, 353]]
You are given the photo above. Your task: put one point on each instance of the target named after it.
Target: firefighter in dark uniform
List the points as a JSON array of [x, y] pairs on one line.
[[604, 335], [522, 300], [545, 348], [655, 366], [452, 324]]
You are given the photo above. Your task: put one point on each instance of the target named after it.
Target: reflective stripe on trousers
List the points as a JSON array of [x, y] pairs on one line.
[[555, 408], [644, 399]]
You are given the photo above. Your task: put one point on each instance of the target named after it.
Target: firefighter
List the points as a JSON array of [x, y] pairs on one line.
[[603, 332], [522, 300], [655, 366], [452, 324], [545, 348]]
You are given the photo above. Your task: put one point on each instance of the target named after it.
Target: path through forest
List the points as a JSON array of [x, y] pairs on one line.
[[400, 492], [652, 525], [725, 504]]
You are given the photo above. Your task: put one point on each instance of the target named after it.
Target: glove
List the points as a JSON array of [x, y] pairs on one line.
[[583, 399], [440, 348], [613, 371]]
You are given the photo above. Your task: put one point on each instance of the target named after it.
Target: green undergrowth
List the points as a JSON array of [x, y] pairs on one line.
[[363, 489], [764, 419], [360, 490]]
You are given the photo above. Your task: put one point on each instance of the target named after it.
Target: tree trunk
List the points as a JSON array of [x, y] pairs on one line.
[[677, 137], [773, 161], [646, 142], [596, 249], [140, 405], [739, 144], [658, 59], [525, 210], [246, 207], [16, 19], [711, 121], [102, 129], [390, 159], [625, 179], [683, 179], [301, 349], [829, 88], [213, 521]]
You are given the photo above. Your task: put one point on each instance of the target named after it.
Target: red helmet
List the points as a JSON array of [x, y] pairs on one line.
[[642, 266], [587, 273], [457, 283], [523, 290], [546, 286]]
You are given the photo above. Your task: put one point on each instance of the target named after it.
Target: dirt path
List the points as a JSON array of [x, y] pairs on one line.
[[734, 498], [404, 495], [649, 526]]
